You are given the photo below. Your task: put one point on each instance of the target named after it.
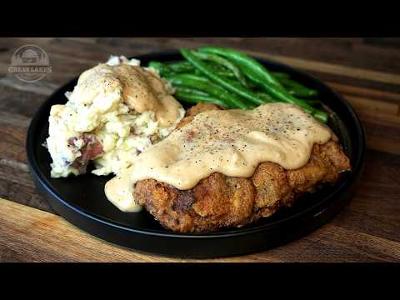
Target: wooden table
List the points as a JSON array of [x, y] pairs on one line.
[[365, 71]]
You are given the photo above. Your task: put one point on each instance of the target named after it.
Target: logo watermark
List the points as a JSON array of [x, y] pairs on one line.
[[30, 63]]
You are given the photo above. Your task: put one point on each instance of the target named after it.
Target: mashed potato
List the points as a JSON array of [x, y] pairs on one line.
[[115, 112]]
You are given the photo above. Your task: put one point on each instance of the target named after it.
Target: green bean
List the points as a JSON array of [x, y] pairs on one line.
[[223, 62], [193, 96], [312, 101], [158, 66], [270, 99], [298, 92], [183, 97], [226, 74], [297, 89], [224, 82], [186, 67], [203, 84], [256, 72], [180, 67], [293, 87], [280, 75], [197, 73], [251, 67], [192, 91], [223, 76], [284, 96], [274, 92], [321, 115], [267, 97]]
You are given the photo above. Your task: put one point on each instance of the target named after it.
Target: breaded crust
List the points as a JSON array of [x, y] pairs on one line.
[[220, 201]]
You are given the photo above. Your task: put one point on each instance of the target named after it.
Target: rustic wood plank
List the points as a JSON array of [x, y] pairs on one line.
[[43, 236], [42, 87], [383, 144], [306, 64], [58, 48], [346, 89], [13, 129], [355, 82], [366, 73], [375, 207], [19, 102], [341, 51], [335, 244], [373, 106], [33, 235], [23, 194], [313, 65], [308, 47]]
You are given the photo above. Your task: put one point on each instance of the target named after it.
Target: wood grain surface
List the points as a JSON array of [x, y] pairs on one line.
[[365, 71]]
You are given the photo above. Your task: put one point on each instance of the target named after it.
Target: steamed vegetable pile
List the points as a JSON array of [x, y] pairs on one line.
[[232, 79]]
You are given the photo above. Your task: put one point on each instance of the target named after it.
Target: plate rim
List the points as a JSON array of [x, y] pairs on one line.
[[341, 188]]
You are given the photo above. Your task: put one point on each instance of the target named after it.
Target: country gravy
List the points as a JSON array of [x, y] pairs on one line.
[[231, 142]]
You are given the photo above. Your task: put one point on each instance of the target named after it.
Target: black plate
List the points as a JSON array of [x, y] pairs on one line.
[[81, 199]]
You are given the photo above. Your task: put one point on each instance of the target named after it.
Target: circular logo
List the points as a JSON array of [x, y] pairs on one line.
[[30, 63]]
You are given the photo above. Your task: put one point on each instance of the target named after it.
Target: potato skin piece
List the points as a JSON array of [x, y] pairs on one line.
[[220, 201]]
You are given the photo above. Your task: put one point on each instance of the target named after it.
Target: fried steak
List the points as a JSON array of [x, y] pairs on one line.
[[220, 201]]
